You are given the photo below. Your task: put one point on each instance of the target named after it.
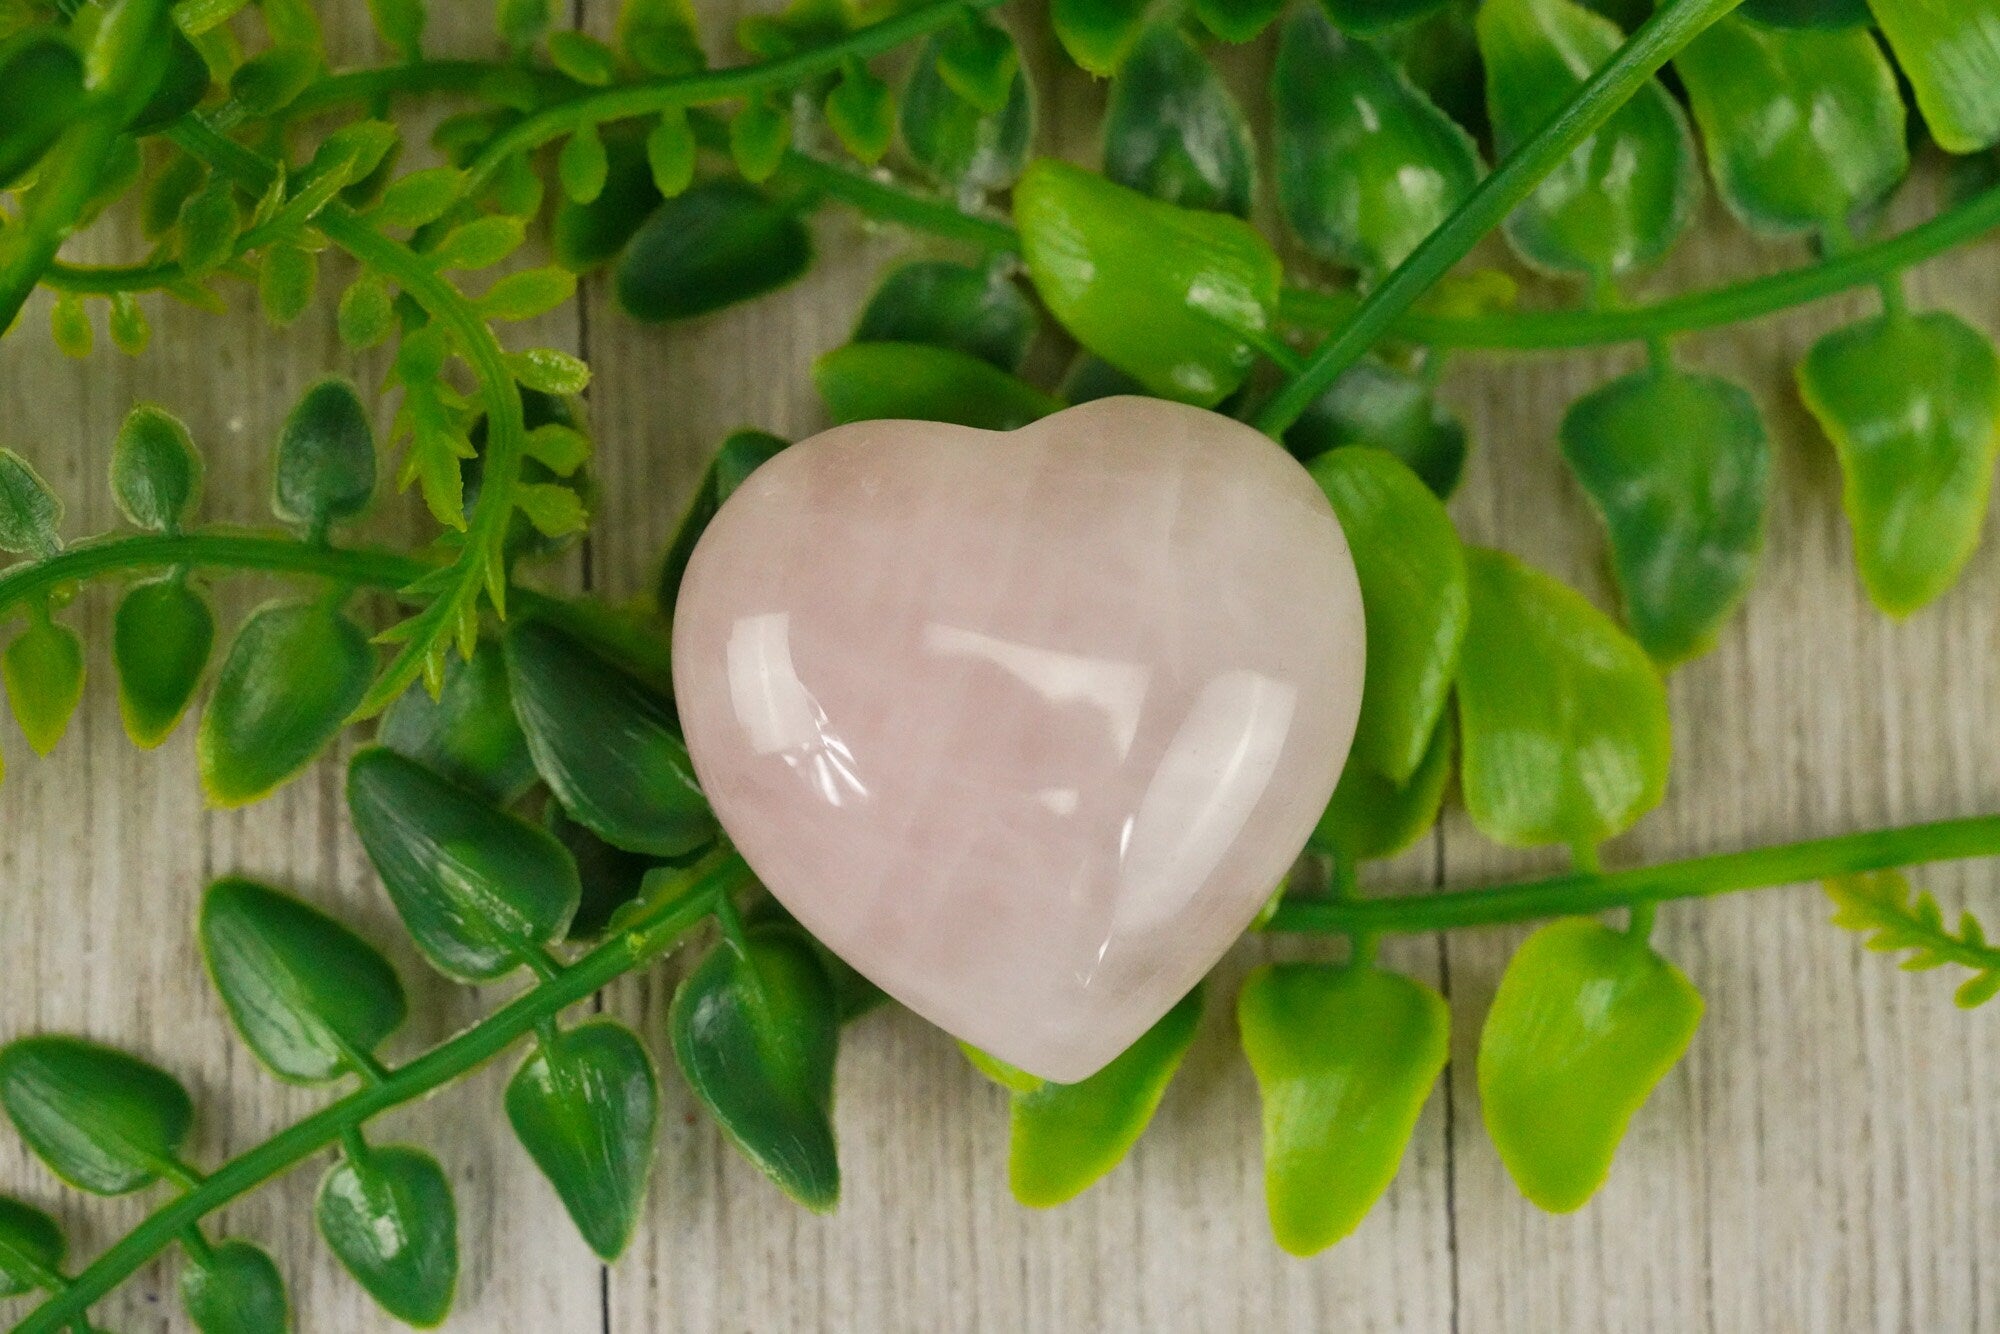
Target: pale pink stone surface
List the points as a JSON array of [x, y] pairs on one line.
[[1026, 727]]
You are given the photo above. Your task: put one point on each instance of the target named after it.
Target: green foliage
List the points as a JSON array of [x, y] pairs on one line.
[[735, 459], [712, 246], [1172, 130], [468, 734], [1373, 816], [32, 1247], [234, 1288], [103, 1121], [41, 90], [293, 674], [1377, 405], [326, 458], [1369, 17], [30, 514], [1950, 52], [861, 111], [869, 381], [388, 1215], [1808, 13], [964, 143], [155, 470], [979, 311], [161, 638], [1895, 919], [586, 1106], [1098, 34], [43, 671]]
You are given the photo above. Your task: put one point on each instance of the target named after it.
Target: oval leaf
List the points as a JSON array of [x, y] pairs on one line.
[[873, 381], [43, 669], [1374, 404], [41, 90], [29, 511], [155, 470], [1586, 1021], [719, 243], [391, 1220], [32, 1247], [1371, 816], [1172, 130], [1372, 16], [587, 236], [103, 1121], [468, 734], [1950, 51], [235, 1288], [1098, 33], [587, 1108], [959, 144], [161, 638], [293, 674], [977, 311], [326, 458]]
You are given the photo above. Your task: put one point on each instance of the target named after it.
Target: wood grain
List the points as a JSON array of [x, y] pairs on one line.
[[1825, 1159]]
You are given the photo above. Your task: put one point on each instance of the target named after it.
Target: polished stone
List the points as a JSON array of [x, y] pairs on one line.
[[1026, 727]]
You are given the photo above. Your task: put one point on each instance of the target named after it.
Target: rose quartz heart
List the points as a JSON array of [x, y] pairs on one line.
[[1027, 726]]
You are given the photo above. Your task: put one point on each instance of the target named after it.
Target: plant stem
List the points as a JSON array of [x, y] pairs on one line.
[[1696, 877], [1673, 25], [643, 940]]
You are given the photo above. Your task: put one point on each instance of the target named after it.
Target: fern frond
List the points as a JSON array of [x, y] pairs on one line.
[[1895, 918]]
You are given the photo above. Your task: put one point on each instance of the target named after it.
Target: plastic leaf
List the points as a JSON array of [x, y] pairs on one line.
[[862, 114], [548, 370], [1098, 33], [43, 669], [208, 224], [1808, 13], [610, 877], [1950, 51], [310, 997], [582, 57], [365, 316], [1912, 405], [103, 1121], [41, 90], [401, 23], [738, 456], [155, 470], [326, 458], [1237, 20], [659, 36], [478, 888], [1413, 594], [759, 135], [608, 747], [468, 734], [32, 1247], [978, 60], [130, 333], [162, 635], [586, 1106], [69, 326], [1066, 1136], [871, 381], [1563, 719], [286, 281], [718, 243], [390, 1219], [234, 1288], [671, 151], [979, 311], [961, 144], [1172, 130], [755, 1034], [1367, 166], [1344, 1059], [420, 197], [1376, 405], [1680, 468], [1372, 816], [480, 243], [524, 295], [30, 514], [1586, 1022], [293, 674], [1895, 918], [586, 236], [1164, 293], [1626, 192], [581, 166]]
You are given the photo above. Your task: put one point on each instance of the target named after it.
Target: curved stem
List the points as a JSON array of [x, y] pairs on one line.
[[643, 940], [1696, 877], [1673, 25]]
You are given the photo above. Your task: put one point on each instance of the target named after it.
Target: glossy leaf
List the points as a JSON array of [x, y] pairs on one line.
[[477, 887], [958, 143], [155, 470], [1679, 467], [978, 60], [1173, 131], [1374, 404], [391, 1220], [1802, 128], [609, 877], [585, 236], [103, 1121], [1367, 166], [1912, 405], [587, 1108], [861, 112], [1344, 1059], [871, 381], [43, 669], [1098, 34], [1950, 52], [755, 1034], [1066, 1136], [310, 997], [1371, 816], [1413, 595], [1563, 719], [30, 514], [293, 674], [719, 243], [468, 734], [32, 1247], [581, 166], [1167, 294], [1586, 1022], [41, 90], [234, 1288], [161, 638], [607, 746], [1623, 196], [326, 458], [979, 311]]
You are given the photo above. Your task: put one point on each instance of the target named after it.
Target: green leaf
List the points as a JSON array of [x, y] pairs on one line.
[[608, 747], [977, 59], [979, 311], [1237, 20], [1808, 13], [271, 80], [582, 165], [1679, 467], [610, 877], [366, 315], [155, 469], [1802, 128], [718, 243], [870, 381], [32, 1247], [659, 36], [1950, 52], [480, 244], [1065, 1136], [671, 151], [130, 333], [312, 999], [547, 370], [1894, 918], [286, 281], [43, 669], [1098, 34], [293, 674], [861, 112], [69, 326], [1374, 404], [478, 888], [742, 453], [1372, 816], [234, 1288], [587, 1108], [1563, 718], [401, 23], [1624, 195], [418, 198], [41, 92], [209, 222], [1413, 593], [467, 734], [587, 236], [1586, 1021], [161, 638], [524, 295], [103, 1121], [326, 458], [1164, 293], [1367, 166], [1172, 130], [390, 1219], [1912, 405], [959, 143], [30, 514], [1344, 1059], [759, 134], [583, 58], [1368, 17], [755, 1033], [555, 510]]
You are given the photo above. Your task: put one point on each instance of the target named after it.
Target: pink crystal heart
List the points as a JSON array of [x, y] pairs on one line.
[[1025, 726]]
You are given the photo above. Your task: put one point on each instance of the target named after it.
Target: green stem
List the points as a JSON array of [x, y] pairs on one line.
[[207, 549], [1696, 877], [1673, 25], [638, 943]]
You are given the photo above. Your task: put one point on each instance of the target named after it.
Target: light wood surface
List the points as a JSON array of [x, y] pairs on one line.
[[1826, 1159]]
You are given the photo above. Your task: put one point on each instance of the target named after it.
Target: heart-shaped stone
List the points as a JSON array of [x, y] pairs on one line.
[[1026, 726]]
